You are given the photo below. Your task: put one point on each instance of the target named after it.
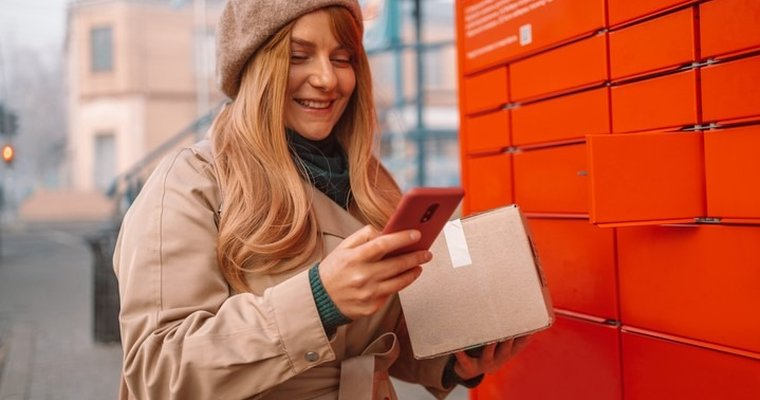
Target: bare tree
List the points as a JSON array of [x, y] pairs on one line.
[[35, 92]]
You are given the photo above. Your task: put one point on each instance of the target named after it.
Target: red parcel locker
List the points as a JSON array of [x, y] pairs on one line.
[[646, 178], [485, 91], [719, 36], [698, 282], [489, 35], [732, 163], [731, 90], [563, 118], [662, 43], [578, 260], [573, 66], [486, 133], [492, 176], [658, 103], [552, 180], [574, 359], [660, 369], [621, 11]]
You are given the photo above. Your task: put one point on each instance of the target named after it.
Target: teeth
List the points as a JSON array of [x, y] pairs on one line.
[[314, 104]]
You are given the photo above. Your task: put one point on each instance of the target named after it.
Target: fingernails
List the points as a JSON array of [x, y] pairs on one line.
[[414, 235]]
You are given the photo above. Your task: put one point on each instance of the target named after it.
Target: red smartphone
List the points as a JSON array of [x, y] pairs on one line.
[[426, 209]]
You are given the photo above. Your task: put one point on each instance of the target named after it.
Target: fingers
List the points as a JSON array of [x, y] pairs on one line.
[[389, 268], [492, 358], [381, 245], [489, 353], [465, 364], [504, 351], [374, 246], [360, 280], [520, 343], [359, 237], [399, 282]]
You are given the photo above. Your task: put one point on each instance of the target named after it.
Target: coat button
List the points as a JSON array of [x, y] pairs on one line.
[[311, 356]]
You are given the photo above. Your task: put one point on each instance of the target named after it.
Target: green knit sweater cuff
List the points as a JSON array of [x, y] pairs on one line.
[[329, 314]]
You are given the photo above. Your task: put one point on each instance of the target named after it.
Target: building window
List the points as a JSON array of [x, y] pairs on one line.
[[105, 160], [101, 46]]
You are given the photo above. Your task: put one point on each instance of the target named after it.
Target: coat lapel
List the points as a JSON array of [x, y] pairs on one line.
[[331, 218]]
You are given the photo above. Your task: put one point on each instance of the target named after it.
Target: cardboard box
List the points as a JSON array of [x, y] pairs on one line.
[[562, 118], [486, 132], [571, 67], [663, 43], [659, 367], [720, 37], [732, 163], [491, 34], [484, 285], [664, 102], [700, 282], [646, 178], [552, 180], [575, 359]]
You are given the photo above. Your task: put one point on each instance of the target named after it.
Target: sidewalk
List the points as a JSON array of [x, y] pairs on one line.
[[46, 319], [46, 346]]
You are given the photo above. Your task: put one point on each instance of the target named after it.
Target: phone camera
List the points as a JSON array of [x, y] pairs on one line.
[[429, 213]]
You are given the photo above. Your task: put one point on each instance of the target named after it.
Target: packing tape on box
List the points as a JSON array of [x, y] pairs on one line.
[[459, 252]]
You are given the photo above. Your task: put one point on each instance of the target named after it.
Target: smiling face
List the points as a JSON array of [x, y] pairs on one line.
[[321, 78]]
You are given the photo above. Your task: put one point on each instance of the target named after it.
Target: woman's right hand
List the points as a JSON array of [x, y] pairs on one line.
[[360, 280]]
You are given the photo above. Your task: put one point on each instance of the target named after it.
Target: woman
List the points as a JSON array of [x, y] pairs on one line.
[[251, 266]]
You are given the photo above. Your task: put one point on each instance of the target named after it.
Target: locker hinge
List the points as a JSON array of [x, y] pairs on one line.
[[707, 220], [699, 128], [512, 150], [697, 64], [709, 61]]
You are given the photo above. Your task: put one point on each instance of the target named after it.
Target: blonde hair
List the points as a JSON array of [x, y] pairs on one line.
[[268, 224]]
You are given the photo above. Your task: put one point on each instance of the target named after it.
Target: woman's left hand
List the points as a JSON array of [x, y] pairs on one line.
[[494, 356]]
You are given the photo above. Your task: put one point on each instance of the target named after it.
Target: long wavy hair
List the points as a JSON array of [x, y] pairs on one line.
[[268, 224]]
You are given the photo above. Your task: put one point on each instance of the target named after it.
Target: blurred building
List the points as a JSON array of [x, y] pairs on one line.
[[413, 57], [138, 72]]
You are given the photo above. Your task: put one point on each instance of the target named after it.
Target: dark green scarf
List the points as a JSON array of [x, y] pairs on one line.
[[325, 164]]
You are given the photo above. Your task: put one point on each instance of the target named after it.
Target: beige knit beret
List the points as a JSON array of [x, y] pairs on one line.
[[245, 25]]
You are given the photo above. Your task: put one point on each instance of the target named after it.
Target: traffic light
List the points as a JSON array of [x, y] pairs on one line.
[[8, 154], [8, 121]]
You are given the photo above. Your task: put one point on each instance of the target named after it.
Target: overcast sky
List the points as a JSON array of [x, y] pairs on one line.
[[35, 23]]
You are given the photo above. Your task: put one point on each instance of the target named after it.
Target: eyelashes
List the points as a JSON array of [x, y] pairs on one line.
[[298, 58]]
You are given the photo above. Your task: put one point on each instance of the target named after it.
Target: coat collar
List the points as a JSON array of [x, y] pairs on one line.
[[331, 218]]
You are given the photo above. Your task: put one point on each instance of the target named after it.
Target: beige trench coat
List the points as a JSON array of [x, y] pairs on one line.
[[186, 336]]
